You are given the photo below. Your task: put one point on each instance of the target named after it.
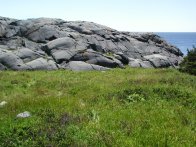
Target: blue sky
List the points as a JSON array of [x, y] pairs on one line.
[[124, 15]]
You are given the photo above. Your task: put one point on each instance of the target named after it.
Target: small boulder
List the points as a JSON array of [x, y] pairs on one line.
[[3, 103], [24, 115]]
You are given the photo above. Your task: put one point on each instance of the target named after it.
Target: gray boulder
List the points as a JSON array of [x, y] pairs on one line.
[[27, 55], [42, 64], [9, 60], [63, 55], [65, 43], [140, 63], [82, 66], [159, 60], [106, 62], [93, 57]]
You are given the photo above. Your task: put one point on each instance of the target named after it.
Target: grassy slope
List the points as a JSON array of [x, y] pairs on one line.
[[131, 107]]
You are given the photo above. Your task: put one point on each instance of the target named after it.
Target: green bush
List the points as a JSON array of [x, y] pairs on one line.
[[189, 63]]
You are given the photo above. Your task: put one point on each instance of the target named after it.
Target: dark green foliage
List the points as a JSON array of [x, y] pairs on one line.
[[189, 63]]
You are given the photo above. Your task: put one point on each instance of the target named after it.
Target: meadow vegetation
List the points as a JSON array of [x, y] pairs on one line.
[[120, 107]]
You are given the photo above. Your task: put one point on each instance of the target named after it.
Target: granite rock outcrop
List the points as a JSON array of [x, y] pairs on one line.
[[51, 44]]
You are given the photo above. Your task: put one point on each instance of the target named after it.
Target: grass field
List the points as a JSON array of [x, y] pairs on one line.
[[120, 107]]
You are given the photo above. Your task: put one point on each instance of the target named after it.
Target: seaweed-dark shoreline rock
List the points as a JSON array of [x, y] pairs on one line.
[[50, 44]]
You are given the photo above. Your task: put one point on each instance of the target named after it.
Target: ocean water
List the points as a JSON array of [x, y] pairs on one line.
[[183, 41]]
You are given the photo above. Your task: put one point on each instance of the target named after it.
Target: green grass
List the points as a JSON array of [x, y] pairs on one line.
[[120, 107]]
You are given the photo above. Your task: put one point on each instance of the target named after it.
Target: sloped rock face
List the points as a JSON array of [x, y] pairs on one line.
[[50, 44]]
